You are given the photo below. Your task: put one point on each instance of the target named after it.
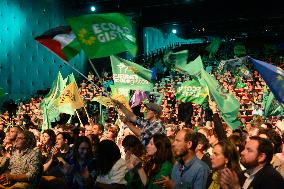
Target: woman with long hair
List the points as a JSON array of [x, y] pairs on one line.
[[160, 161], [79, 173], [48, 141], [225, 155]]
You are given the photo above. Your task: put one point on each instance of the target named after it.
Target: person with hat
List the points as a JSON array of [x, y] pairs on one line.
[[146, 127]]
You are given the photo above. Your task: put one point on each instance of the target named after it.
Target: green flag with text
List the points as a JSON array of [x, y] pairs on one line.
[[102, 35], [192, 91], [130, 75], [227, 104]]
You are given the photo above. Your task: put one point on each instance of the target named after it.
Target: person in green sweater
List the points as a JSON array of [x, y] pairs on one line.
[[159, 163]]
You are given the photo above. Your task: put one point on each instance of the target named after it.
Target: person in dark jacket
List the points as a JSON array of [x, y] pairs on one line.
[[256, 157]]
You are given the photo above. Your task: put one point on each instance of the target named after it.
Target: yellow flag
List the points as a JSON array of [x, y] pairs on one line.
[[70, 99], [104, 100], [107, 101], [122, 100]]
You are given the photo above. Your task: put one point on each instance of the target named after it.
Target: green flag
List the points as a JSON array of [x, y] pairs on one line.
[[213, 47], [46, 124], [177, 58], [102, 35], [192, 91], [193, 67], [271, 106], [57, 86], [227, 104], [70, 79], [50, 112], [129, 75]]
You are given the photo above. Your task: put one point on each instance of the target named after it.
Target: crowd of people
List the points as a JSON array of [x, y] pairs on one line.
[[173, 144]]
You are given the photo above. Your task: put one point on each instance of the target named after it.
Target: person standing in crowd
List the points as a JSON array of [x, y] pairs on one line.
[[201, 149], [189, 171], [145, 128], [256, 157], [88, 130], [98, 130], [25, 166]]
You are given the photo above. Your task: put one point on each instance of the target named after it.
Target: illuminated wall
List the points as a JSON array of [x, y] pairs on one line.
[[25, 65]]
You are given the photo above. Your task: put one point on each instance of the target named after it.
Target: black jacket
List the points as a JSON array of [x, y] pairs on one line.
[[267, 177]]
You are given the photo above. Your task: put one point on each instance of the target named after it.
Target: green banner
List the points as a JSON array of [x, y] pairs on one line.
[[130, 75], [227, 104], [50, 112], [271, 106], [193, 67], [177, 58], [102, 35], [192, 91]]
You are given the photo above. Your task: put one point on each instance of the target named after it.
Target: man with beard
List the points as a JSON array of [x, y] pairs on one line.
[[189, 172], [256, 157]]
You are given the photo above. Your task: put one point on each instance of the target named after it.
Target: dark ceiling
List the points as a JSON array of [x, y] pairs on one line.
[[195, 18]]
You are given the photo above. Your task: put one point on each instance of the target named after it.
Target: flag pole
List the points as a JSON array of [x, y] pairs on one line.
[[87, 114], [81, 74], [79, 118], [95, 70], [3, 120]]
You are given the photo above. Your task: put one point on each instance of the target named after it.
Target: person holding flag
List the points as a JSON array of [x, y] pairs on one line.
[[144, 128]]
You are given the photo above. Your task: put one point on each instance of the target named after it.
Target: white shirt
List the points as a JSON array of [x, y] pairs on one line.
[[116, 174], [250, 177]]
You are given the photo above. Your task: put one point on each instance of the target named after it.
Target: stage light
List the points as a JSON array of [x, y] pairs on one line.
[[93, 8], [174, 31]]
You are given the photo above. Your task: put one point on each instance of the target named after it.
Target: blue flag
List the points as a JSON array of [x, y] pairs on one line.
[[273, 77]]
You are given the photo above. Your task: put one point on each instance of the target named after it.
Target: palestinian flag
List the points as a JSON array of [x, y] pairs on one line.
[[61, 41]]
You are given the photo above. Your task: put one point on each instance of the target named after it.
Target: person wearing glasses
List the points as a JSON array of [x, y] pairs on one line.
[[25, 166]]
